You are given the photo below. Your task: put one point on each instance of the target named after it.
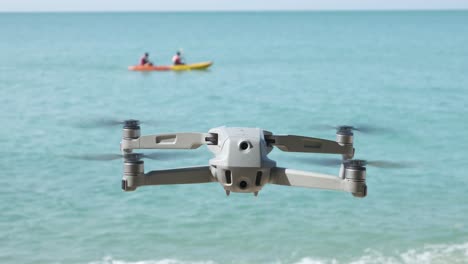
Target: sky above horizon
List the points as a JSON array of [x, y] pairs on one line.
[[225, 5]]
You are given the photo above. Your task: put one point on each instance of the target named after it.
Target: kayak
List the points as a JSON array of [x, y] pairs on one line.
[[193, 66], [185, 67]]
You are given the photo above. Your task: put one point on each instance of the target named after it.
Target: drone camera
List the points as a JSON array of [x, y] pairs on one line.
[[243, 185], [244, 145]]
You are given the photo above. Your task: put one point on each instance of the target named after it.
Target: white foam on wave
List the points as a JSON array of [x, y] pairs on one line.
[[110, 260], [430, 254]]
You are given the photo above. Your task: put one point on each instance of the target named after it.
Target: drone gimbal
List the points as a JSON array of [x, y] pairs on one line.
[[240, 163]]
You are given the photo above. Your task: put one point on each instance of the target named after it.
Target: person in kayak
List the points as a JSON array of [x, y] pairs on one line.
[[145, 60], [177, 59]]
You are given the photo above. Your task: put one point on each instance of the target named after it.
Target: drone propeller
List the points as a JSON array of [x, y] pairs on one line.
[[126, 156], [110, 122], [331, 162], [366, 129]]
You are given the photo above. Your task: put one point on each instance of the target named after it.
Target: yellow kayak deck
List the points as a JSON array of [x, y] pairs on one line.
[[193, 66]]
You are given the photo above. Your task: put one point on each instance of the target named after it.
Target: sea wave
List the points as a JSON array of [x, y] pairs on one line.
[[429, 254], [110, 260]]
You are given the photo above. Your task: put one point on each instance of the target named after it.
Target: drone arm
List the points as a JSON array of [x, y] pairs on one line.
[[288, 177], [169, 141], [177, 176], [292, 143]]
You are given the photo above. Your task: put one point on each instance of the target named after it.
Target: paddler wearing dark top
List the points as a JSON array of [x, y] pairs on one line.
[[145, 60], [177, 59]]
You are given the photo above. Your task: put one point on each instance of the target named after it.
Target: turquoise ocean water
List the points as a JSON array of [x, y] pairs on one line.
[[284, 72]]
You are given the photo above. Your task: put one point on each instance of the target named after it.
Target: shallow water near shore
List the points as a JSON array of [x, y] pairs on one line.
[[284, 72]]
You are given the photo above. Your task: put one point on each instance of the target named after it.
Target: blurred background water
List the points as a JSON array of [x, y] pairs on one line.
[[284, 72]]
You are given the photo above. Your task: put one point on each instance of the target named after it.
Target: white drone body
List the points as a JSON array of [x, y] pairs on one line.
[[240, 163]]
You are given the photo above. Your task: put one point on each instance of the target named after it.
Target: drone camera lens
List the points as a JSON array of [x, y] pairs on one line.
[[243, 184], [244, 145]]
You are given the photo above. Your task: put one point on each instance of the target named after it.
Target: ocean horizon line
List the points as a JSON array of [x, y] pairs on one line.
[[429, 10]]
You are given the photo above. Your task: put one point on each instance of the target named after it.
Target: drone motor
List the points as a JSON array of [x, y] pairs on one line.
[[131, 129], [345, 137], [133, 170], [355, 174]]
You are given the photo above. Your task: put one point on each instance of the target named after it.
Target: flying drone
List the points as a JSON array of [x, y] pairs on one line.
[[240, 163]]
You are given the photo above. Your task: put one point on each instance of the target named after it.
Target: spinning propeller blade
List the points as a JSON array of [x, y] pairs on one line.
[[130, 156], [110, 122], [392, 165], [96, 157], [366, 129], [332, 162]]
